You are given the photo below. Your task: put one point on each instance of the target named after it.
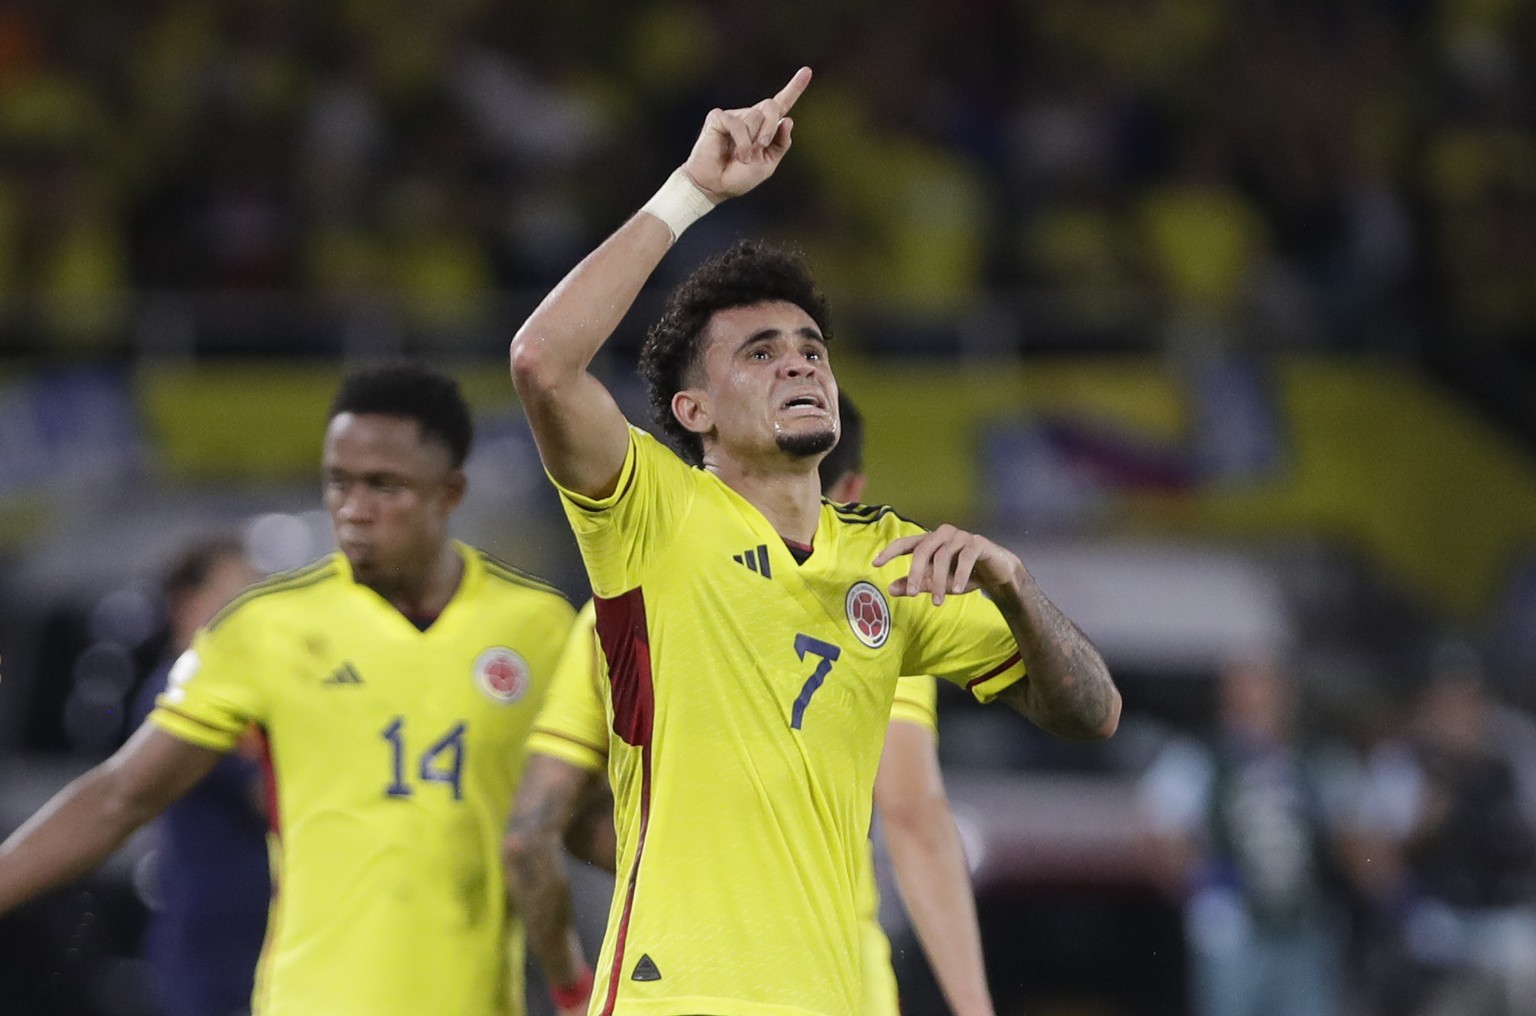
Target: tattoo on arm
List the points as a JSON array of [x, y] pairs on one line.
[[1067, 689], [546, 804]]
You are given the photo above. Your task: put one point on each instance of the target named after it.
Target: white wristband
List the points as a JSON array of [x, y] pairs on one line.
[[679, 203]]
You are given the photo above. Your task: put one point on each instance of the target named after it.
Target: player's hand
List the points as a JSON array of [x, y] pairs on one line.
[[949, 561], [740, 148]]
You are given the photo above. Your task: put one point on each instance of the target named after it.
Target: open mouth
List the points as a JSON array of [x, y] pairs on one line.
[[807, 400]]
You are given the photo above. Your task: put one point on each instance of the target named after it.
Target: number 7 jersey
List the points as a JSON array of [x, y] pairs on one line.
[[749, 695], [394, 756]]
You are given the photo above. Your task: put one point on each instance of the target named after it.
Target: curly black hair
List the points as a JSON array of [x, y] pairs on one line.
[[416, 392], [749, 272]]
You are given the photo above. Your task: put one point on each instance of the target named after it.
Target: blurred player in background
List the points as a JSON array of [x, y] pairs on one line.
[[920, 834], [211, 882], [754, 633], [563, 787], [395, 683], [1250, 830]]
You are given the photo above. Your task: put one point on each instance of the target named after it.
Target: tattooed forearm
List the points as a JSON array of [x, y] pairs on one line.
[[1067, 690], [535, 869]]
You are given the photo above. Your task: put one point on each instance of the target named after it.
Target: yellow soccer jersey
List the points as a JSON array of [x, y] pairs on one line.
[[572, 726], [749, 696], [395, 754], [916, 702]]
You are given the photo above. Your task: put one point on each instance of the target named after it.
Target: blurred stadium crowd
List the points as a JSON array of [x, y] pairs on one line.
[[1355, 174], [977, 179]]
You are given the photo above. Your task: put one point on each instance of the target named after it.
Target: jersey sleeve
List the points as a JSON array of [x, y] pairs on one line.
[[620, 534], [573, 724], [917, 702], [966, 641], [214, 691]]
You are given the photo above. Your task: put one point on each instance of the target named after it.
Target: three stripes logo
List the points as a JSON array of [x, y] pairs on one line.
[[344, 674], [755, 559]]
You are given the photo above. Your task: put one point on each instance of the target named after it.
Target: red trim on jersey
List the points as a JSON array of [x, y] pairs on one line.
[[268, 781], [1010, 661], [274, 914], [622, 632], [797, 545], [622, 935], [626, 643]]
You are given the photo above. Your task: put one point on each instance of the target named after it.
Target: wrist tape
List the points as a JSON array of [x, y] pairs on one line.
[[679, 203]]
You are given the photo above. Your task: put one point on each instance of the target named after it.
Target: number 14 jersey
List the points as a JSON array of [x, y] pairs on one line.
[[395, 754], [748, 697]]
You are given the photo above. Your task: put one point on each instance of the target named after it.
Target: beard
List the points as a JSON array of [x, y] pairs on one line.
[[805, 444]]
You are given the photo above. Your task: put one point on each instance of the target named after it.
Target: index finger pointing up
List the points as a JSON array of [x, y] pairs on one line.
[[790, 92]]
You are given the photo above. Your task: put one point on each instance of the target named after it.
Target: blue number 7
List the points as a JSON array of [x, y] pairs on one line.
[[829, 654]]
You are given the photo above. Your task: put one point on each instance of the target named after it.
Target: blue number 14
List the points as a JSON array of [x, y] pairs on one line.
[[443, 762]]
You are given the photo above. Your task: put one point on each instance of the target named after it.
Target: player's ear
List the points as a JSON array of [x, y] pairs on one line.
[[853, 486], [455, 484], [692, 409]]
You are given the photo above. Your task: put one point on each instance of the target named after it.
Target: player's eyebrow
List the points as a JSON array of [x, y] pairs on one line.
[[367, 476], [765, 334]]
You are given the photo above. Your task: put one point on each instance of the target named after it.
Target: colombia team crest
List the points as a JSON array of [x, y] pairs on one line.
[[502, 674], [868, 614]]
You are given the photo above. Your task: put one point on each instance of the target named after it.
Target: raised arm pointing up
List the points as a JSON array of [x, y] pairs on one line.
[[580, 432]]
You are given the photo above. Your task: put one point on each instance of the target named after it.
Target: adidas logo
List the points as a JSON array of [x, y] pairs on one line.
[[344, 674], [756, 560], [645, 970]]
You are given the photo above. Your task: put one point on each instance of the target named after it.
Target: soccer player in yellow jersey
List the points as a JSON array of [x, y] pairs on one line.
[[395, 683], [753, 633], [563, 786]]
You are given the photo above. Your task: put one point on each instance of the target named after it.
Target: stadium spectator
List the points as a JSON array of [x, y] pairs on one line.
[[1347, 137], [1250, 831], [1453, 803]]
